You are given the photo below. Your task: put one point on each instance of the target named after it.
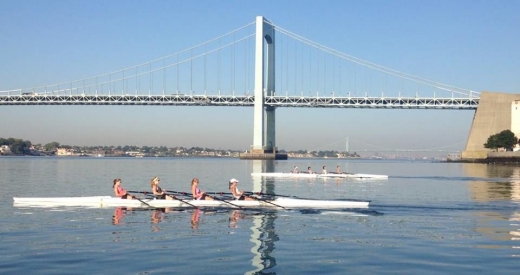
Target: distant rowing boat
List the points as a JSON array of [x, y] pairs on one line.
[[107, 201], [328, 175]]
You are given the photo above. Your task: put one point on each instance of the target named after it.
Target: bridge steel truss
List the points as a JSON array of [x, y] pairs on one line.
[[246, 100]]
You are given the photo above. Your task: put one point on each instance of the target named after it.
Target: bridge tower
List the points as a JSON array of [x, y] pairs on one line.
[[264, 135]]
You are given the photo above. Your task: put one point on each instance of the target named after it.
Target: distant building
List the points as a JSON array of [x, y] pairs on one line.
[[65, 152], [136, 154], [5, 150], [98, 153]]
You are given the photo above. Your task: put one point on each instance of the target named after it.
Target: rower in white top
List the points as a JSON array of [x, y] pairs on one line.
[[237, 193], [324, 170], [295, 170]]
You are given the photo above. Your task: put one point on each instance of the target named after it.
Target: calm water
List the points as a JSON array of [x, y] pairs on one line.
[[427, 218]]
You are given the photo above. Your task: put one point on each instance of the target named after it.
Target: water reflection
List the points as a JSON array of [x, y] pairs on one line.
[[263, 235], [263, 238], [119, 213], [156, 218], [506, 187], [195, 217], [234, 217]]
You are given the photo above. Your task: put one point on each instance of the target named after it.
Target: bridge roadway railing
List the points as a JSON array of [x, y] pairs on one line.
[[245, 100]]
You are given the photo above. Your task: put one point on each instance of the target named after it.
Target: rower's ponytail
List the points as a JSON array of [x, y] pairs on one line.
[[115, 181], [152, 182]]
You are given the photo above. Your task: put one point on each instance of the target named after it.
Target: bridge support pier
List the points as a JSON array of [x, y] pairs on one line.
[[496, 112], [264, 143]]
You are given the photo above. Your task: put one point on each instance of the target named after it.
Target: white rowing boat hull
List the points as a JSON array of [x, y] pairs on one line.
[[107, 201], [329, 175]]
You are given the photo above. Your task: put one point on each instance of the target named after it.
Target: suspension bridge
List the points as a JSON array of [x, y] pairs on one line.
[[261, 65]]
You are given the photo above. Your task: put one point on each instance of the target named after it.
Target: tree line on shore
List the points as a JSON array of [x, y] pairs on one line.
[[24, 147], [505, 139]]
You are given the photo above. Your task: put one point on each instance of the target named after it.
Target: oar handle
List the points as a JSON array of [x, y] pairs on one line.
[[178, 193]]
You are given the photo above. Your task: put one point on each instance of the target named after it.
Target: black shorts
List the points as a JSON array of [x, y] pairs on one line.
[[126, 197], [242, 198], [161, 197]]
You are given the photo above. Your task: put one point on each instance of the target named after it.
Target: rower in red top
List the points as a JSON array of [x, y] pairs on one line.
[[195, 191], [119, 191]]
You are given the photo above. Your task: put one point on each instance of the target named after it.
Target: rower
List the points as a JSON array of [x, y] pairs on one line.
[[237, 193], [338, 170], [324, 170], [157, 191], [195, 191], [309, 170], [295, 170], [119, 191]]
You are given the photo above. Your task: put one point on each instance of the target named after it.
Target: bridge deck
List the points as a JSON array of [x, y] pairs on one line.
[[246, 100]]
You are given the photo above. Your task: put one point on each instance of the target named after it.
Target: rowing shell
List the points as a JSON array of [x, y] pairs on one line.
[[329, 175], [107, 201]]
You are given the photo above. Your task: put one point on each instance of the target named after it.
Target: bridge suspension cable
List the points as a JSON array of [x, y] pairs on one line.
[[138, 71], [377, 67]]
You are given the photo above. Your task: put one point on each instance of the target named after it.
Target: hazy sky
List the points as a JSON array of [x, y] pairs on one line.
[[468, 44]]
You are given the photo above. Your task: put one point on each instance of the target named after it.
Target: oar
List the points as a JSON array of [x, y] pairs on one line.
[[146, 193], [215, 198], [274, 195], [266, 201], [140, 199], [173, 197], [258, 199], [181, 200], [144, 202]]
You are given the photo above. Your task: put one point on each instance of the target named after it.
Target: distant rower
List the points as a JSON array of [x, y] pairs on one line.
[[295, 170], [324, 170], [309, 170]]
